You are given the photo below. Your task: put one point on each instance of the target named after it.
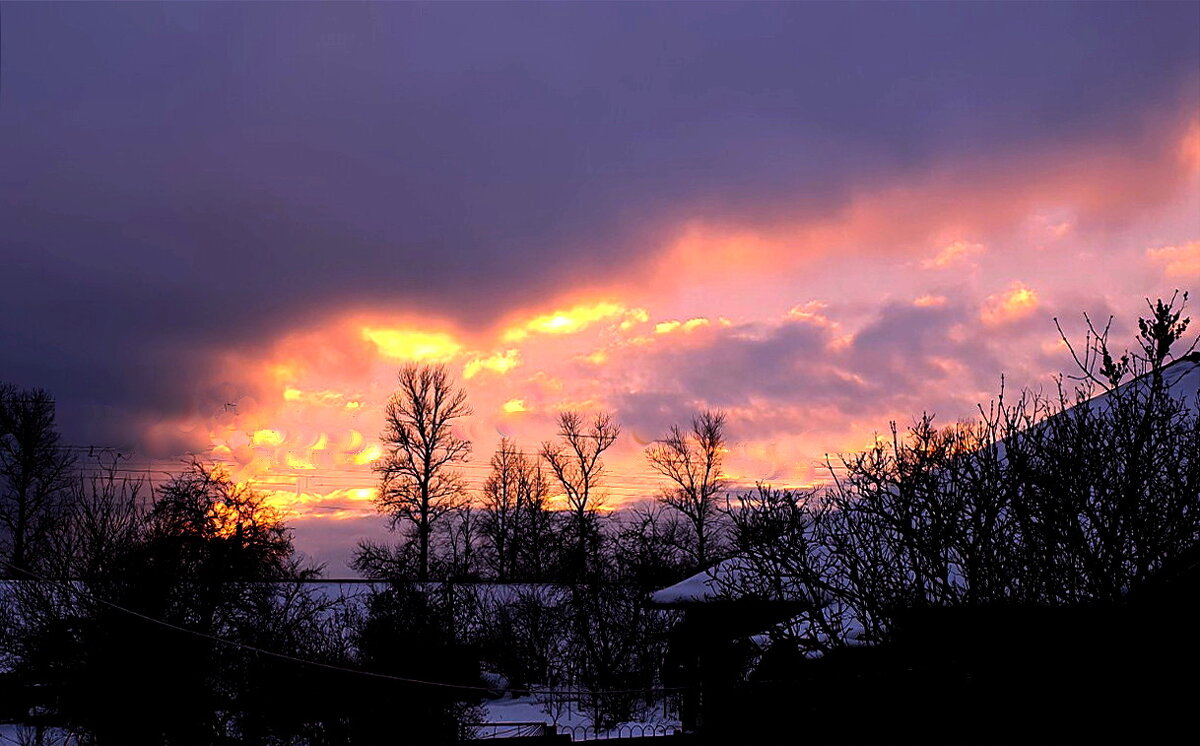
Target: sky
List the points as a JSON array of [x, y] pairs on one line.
[[224, 227]]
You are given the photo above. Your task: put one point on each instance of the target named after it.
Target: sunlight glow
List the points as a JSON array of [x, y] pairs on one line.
[[930, 301], [297, 462], [324, 397], [1014, 304], [367, 455], [666, 327], [408, 344], [568, 321], [499, 363], [267, 438]]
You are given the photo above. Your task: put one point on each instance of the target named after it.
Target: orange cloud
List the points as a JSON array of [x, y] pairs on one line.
[[929, 301], [337, 504], [1178, 261], [1014, 304], [952, 254], [566, 321], [812, 312], [267, 438], [966, 198], [324, 397], [666, 327], [501, 363], [411, 344]]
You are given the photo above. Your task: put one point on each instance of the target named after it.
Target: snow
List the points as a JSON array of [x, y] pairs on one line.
[[732, 578], [703, 586], [508, 717], [1182, 379]]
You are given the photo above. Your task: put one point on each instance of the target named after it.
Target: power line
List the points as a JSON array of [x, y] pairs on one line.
[[307, 662]]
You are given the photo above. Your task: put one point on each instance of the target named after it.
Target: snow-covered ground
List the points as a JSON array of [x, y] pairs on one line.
[[510, 716]]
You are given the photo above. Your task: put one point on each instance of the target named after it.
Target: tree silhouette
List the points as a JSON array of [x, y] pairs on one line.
[[515, 522], [418, 482], [209, 560], [692, 461], [34, 474], [575, 463]]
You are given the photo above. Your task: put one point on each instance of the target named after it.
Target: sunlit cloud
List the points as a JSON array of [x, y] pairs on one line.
[[811, 312], [513, 406], [321, 398], [960, 209], [295, 461], [334, 505], [953, 254], [409, 344], [666, 327], [267, 438], [1182, 261], [568, 321], [501, 362], [929, 301], [1014, 304], [368, 455], [633, 317]]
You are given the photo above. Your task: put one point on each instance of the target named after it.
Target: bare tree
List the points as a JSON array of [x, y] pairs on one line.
[[105, 517], [1117, 479], [500, 497], [575, 463], [459, 538], [515, 521], [692, 461], [34, 473], [649, 546], [418, 482], [534, 544]]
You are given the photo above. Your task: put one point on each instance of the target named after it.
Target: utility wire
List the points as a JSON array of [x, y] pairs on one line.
[[317, 664]]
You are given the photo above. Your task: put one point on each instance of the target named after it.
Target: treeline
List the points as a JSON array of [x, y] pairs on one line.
[[508, 530], [184, 614]]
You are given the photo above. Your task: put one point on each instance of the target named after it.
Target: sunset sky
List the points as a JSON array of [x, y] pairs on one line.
[[224, 227]]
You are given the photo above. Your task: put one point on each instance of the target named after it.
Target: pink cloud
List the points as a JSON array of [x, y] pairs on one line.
[[1181, 261], [1014, 304]]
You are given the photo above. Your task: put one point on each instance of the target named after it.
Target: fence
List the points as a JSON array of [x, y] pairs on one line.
[[568, 734], [630, 730]]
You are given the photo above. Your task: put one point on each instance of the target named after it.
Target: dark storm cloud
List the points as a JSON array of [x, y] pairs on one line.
[[178, 179]]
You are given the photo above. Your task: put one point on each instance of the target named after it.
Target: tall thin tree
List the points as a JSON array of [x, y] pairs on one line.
[[692, 460], [418, 481], [575, 463], [501, 498]]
